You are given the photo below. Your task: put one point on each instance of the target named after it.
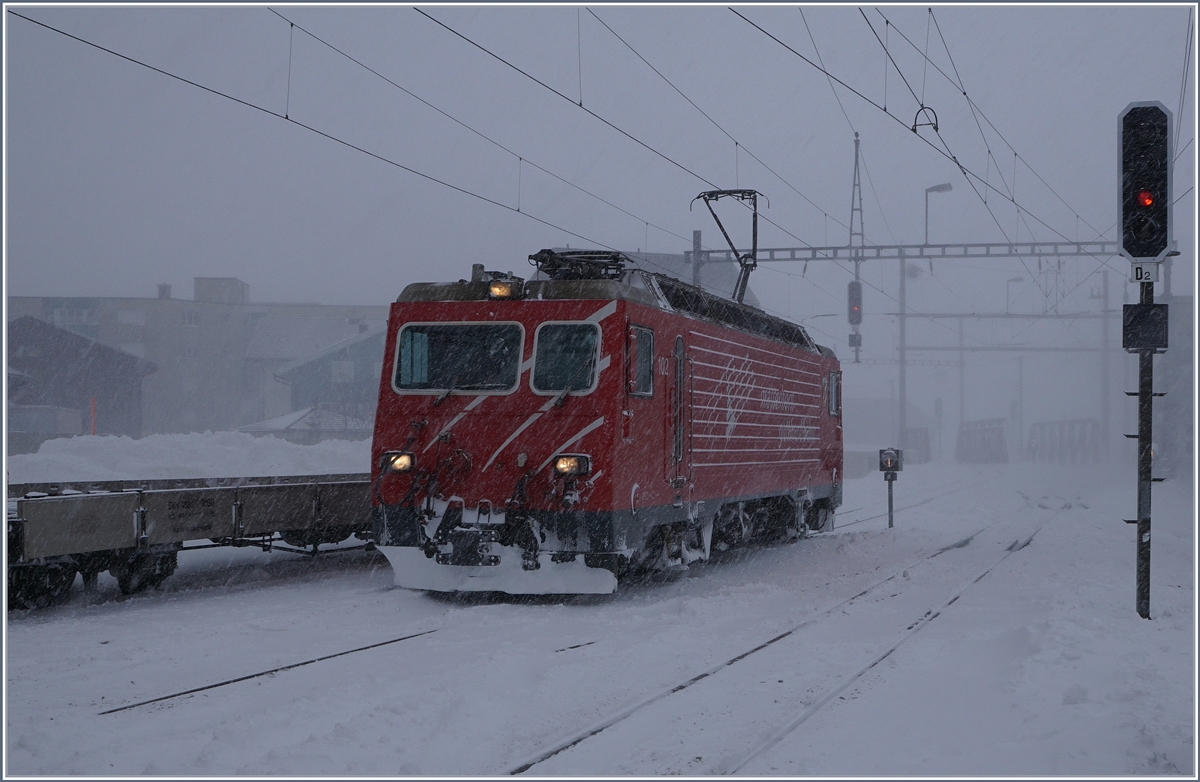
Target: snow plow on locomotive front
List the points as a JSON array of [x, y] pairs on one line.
[[552, 435]]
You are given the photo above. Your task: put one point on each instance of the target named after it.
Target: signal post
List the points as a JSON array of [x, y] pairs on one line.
[[1144, 165]]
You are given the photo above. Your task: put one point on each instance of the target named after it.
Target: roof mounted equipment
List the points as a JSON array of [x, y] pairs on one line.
[[581, 264]]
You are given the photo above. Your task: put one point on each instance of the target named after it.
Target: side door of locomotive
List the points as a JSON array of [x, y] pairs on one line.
[[679, 423]]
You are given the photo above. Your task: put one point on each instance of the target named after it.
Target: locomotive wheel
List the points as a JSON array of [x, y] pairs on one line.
[[144, 571], [818, 518], [732, 527], [39, 586]]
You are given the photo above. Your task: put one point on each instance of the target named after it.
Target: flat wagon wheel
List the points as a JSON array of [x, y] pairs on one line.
[[143, 571], [39, 586]]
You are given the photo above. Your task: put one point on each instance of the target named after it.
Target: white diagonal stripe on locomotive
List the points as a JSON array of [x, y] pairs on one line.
[[608, 309], [470, 406], [528, 421]]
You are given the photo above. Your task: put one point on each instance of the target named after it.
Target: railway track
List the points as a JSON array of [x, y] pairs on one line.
[[735, 763], [915, 621], [613, 719], [247, 677]]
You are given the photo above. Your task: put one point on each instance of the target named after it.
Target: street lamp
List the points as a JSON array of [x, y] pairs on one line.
[[903, 413], [1008, 291], [942, 188]]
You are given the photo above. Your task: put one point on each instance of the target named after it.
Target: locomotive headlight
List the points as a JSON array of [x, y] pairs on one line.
[[572, 465], [504, 289], [398, 461]]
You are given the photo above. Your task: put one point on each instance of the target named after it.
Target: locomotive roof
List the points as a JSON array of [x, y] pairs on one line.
[[647, 288]]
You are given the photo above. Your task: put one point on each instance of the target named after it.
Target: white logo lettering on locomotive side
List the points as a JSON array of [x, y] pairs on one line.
[[777, 401], [797, 433], [737, 386]]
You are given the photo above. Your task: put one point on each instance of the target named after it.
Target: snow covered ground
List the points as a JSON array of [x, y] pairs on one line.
[[1040, 667]]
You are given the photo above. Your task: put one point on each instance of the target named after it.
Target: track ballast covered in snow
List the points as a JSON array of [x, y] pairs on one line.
[[992, 631]]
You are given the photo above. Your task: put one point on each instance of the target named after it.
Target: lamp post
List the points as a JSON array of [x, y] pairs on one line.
[[1008, 291], [903, 418], [942, 188]]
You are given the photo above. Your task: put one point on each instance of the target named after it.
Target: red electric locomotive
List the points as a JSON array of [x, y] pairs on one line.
[[552, 435]]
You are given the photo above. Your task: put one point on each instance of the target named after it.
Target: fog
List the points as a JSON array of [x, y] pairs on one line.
[[409, 153]]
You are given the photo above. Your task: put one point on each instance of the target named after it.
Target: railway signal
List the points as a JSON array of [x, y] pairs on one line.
[[891, 461], [1144, 167], [854, 302], [1145, 175]]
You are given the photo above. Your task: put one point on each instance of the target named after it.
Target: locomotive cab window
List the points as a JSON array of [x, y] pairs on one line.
[[835, 393], [641, 361], [565, 357], [441, 357]]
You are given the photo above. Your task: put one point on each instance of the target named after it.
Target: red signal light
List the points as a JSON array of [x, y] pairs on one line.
[[1145, 198]]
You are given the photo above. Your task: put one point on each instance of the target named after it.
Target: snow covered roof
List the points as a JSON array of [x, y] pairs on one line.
[[289, 338], [371, 333], [28, 332], [310, 419]]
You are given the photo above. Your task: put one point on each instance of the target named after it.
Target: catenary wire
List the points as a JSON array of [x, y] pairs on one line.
[[870, 181], [1021, 213], [321, 133], [975, 113], [312, 129], [638, 141], [1187, 62], [946, 151], [962, 168], [534, 79], [470, 128], [707, 116]]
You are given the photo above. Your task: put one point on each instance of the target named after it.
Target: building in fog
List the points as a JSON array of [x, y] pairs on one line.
[[216, 354], [343, 378], [62, 383]]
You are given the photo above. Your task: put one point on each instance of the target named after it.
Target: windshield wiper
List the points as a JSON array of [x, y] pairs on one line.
[[562, 395], [442, 396]]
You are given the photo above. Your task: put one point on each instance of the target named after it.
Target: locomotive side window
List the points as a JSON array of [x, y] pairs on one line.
[[458, 357], [835, 393], [565, 357], [641, 361]]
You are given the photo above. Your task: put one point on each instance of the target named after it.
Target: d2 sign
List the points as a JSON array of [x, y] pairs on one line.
[[1143, 272]]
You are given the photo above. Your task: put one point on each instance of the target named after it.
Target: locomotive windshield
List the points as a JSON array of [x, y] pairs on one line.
[[458, 357], [566, 357]]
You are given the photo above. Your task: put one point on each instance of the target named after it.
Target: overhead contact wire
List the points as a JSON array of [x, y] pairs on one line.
[[717, 125], [538, 81], [605, 121], [464, 125], [977, 112], [625, 133], [312, 129]]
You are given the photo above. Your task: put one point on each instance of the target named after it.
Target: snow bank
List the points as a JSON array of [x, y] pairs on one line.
[[208, 455]]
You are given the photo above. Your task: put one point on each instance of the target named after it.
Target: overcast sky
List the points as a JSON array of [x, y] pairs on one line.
[[120, 177]]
